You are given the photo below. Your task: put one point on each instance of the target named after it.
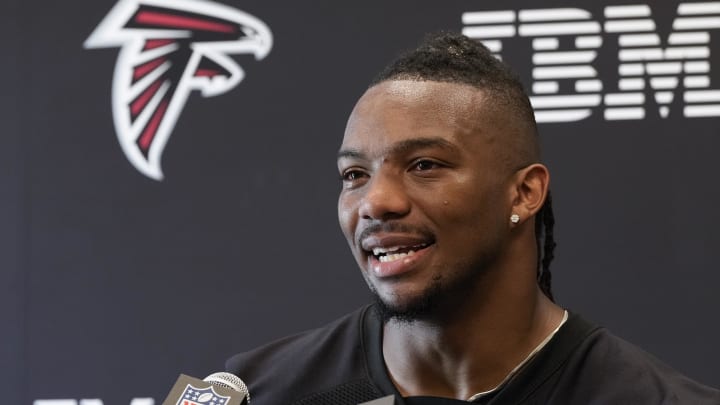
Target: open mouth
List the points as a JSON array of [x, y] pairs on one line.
[[393, 253]]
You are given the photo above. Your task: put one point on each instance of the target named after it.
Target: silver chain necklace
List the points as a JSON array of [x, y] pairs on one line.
[[522, 363]]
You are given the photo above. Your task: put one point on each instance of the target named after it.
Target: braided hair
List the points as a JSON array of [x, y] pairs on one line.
[[544, 224], [455, 58]]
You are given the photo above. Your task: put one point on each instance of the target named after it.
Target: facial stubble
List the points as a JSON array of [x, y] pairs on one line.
[[438, 300]]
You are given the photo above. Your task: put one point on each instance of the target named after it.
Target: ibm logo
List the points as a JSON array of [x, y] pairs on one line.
[[565, 42]]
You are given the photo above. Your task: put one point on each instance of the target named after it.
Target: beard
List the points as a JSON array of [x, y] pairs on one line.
[[443, 297], [418, 308]]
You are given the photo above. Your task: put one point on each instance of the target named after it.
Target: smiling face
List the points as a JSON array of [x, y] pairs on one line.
[[427, 172]]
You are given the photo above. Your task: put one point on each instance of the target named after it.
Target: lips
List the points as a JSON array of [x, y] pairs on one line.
[[395, 254]]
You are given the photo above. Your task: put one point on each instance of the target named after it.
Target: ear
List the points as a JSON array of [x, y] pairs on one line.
[[530, 189]]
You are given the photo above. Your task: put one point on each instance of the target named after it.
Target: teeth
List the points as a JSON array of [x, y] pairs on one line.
[[378, 250], [395, 256], [384, 250]]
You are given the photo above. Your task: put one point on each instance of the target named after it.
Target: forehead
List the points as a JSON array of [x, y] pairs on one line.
[[397, 110]]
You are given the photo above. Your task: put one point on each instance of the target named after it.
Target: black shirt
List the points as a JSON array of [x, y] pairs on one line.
[[342, 364]]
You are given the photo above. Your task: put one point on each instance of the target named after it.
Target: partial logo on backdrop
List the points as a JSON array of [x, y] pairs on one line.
[[168, 48], [652, 75]]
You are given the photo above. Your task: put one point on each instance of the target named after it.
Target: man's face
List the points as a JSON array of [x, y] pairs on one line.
[[425, 202]]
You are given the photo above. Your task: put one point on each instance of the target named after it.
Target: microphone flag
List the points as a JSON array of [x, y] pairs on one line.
[[194, 391]]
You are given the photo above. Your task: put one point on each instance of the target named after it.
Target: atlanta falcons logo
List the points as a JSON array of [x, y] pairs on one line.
[[169, 48]]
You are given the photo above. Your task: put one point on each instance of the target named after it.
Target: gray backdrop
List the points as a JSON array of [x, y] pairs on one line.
[[113, 283]]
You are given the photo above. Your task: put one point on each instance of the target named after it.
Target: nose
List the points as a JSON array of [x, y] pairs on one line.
[[385, 198]]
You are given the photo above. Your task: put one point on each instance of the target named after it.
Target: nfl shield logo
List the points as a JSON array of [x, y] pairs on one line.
[[201, 396]]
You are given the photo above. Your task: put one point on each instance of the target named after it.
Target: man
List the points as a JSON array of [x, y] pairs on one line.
[[445, 206]]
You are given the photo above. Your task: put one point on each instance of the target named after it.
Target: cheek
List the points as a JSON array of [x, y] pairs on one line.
[[470, 209], [347, 216]]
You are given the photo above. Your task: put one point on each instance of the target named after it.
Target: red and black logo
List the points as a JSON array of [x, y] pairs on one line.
[[169, 48]]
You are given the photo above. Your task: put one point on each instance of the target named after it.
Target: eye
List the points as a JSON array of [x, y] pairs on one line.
[[424, 165], [353, 177]]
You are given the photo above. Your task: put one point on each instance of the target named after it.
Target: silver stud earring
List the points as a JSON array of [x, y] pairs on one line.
[[514, 218]]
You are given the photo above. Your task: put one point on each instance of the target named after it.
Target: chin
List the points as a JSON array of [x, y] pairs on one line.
[[406, 308]]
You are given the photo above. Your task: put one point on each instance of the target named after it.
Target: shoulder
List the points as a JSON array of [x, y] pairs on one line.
[[298, 365], [608, 369]]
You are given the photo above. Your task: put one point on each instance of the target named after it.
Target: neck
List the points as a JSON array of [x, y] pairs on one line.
[[472, 347]]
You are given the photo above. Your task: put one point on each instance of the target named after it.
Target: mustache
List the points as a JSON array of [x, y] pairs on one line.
[[394, 227]]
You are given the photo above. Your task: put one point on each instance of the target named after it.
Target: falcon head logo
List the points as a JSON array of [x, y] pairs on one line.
[[169, 48]]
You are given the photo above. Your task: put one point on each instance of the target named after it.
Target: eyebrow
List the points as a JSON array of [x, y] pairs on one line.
[[405, 146]]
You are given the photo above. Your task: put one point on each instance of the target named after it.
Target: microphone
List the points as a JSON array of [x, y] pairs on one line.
[[215, 389], [230, 381]]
